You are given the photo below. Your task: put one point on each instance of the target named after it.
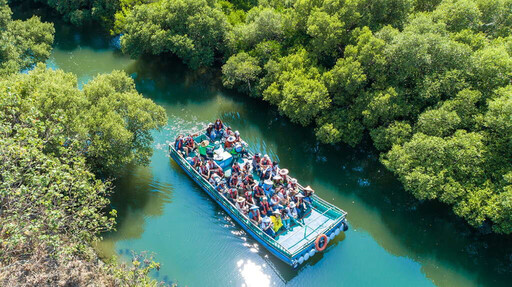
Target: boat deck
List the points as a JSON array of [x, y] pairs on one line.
[[301, 232]]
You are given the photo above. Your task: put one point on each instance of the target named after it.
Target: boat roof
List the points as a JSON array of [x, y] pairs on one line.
[[322, 217]]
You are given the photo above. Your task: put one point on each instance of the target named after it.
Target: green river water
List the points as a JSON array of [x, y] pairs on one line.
[[393, 239]]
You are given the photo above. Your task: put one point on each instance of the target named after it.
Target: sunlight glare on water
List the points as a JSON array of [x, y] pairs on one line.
[[252, 274]]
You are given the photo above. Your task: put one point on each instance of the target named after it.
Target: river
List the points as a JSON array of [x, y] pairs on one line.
[[393, 239]]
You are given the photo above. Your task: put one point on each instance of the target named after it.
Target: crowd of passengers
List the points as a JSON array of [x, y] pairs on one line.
[[274, 202]]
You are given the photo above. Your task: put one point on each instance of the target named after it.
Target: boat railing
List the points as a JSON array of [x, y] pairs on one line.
[[231, 206]]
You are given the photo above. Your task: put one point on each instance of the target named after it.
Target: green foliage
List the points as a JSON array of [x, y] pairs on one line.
[[194, 30], [22, 43], [396, 133], [242, 71], [345, 80], [109, 119], [85, 11], [458, 14]]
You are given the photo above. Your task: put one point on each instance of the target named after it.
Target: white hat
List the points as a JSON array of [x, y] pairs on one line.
[[240, 199], [266, 156], [268, 182], [283, 171], [277, 177], [292, 204], [264, 198], [266, 219], [254, 207], [237, 133], [294, 180], [299, 195], [276, 212], [205, 143], [308, 188], [231, 139]]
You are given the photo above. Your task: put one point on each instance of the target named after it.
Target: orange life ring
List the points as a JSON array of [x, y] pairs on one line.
[[317, 242]]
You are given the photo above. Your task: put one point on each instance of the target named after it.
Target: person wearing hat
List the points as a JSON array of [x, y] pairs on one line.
[[249, 197], [190, 144], [241, 205], [301, 205], [202, 148], [267, 187], [233, 194], [293, 184], [277, 180], [221, 187], [283, 196], [274, 201], [266, 226], [308, 195], [292, 211], [256, 162], [266, 162], [275, 168], [254, 214], [266, 173], [276, 221], [265, 207], [247, 168], [228, 145]]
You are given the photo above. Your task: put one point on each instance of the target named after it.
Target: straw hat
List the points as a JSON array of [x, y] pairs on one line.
[[299, 195], [237, 133], [266, 156], [264, 198], [254, 207], [205, 143], [268, 182], [240, 199], [277, 177], [308, 188], [276, 212], [294, 180], [283, 172], [231, 139]]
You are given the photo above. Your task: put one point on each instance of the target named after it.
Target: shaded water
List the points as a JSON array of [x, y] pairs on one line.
[[393, 239]]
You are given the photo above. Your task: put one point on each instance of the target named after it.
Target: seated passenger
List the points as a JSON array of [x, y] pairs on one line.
[[219, 127], [265, 208], [284, 174], [275, 168], [285, 217], [258, 193], [204, 171], [266, 226], [235, 168], [190, 144], [249, 198], [276, 221], [221, 187], [213, 167], [293, 184], [254, 214], [256, 162], [283, 196], [210, 131], [229, 144], [233, 194], [267, 187], [265, 162], [266, 173], [278, 180], [302, 207], [196, 160], [292, 211], [233, 181], [241, 206], [247, 168], [274, 201], [227, 133], [249, 181], [215, 179], [202, 149], [308, 195], [179, 145]]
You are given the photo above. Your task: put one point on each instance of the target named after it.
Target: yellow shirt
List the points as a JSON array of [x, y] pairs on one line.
[[277, 222]]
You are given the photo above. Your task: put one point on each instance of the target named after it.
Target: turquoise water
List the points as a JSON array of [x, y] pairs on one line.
[[393, 239]]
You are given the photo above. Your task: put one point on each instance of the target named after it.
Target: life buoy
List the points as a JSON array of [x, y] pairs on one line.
[[317, 242]]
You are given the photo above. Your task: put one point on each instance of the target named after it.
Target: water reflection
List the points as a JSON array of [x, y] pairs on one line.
[[252, 274]]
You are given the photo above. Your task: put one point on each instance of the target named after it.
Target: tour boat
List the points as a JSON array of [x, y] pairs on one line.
[[309, 235]]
